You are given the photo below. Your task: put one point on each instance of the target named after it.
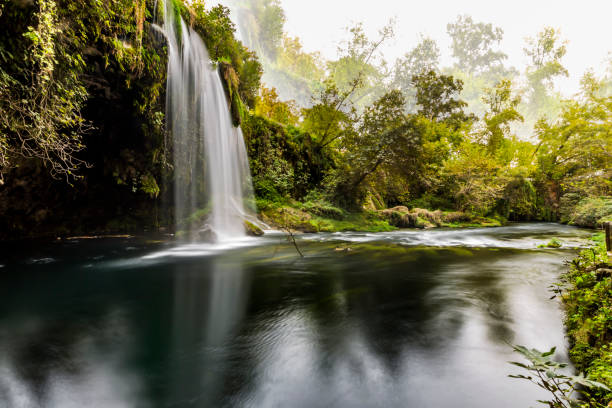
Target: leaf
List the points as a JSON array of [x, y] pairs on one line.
[[582, 380]]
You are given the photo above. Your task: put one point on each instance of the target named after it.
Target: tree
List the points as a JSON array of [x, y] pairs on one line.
[[472, 44], [501, 112], [295, 74], [357, 73], [576, 149], [382, 132], [421, 59], [473, 178], [546, 52], [269, 106], [437, 97], [331, 117]]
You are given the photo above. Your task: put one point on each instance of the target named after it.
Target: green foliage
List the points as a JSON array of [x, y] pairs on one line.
[[319, 217], [382, 134], [519, 200], [41, 95], [437, 97], [218, 32], [473, 179], [269, 106], [588, 300], [284, 161], [502, 111], [294, 73], [323, 208], [330, 119], [589, 212], [358, 72], [548, 374]]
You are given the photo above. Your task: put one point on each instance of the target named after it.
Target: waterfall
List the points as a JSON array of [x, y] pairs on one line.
[[212, 177]]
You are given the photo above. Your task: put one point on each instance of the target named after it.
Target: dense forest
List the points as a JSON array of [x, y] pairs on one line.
[[475, 142]]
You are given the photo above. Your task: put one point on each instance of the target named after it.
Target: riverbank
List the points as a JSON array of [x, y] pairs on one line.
[[588, 305], [320, 216]]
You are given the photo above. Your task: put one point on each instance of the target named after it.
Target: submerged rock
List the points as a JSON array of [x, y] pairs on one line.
[[207, 234]]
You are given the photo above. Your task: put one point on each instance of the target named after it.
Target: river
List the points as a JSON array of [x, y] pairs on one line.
[[400, 319]]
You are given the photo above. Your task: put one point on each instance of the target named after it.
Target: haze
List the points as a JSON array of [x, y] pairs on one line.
[[320, 24]]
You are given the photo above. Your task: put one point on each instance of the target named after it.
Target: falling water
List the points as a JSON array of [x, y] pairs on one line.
[[212, 177]]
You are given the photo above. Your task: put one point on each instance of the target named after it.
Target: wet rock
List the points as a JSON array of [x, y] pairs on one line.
[[252, 229]]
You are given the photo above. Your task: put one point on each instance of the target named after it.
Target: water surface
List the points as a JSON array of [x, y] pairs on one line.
[[402, 319]]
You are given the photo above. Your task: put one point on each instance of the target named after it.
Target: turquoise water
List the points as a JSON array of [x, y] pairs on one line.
[[402, 319]]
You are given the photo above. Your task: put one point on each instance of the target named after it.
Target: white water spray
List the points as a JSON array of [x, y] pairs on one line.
[[212, 176]]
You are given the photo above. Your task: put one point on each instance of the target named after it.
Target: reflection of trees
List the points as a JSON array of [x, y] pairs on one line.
[[330, 328], [372, 310]]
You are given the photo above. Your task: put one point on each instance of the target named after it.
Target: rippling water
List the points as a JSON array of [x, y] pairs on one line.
[[402, 319]]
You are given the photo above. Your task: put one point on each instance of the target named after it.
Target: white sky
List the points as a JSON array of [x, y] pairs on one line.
[[587, 24]]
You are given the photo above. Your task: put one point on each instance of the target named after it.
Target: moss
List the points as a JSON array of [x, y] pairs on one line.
[[253, 229], [295, 216], [553, 243]]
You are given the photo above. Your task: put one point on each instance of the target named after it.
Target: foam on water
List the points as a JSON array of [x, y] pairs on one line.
[[519, 236]]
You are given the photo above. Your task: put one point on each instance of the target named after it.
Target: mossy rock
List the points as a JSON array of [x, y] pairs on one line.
[[252, 229], [553, 243]]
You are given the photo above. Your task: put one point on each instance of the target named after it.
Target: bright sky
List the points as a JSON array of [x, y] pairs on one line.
[[585, 23]]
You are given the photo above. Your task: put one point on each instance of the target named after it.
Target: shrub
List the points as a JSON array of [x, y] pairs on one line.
[[592, 212]]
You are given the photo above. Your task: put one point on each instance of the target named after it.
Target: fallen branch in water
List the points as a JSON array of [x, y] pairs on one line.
[[291, 237]]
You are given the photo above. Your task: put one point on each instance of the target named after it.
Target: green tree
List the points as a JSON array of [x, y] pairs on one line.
[[437, 98], [331, 117], [295, 74], [474, 179], [381, 133], [269, 106], [501, 113], [575, 150]]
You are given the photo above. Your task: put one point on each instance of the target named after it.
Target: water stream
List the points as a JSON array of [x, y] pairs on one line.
[[401, 319]]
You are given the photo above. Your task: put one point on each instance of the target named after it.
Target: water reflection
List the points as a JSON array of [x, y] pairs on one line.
[[48, 363], [207, 315], [383, 325]]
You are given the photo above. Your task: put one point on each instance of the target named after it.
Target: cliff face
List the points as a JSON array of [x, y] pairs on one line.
[[114, 52], [123, 151]]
